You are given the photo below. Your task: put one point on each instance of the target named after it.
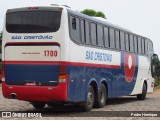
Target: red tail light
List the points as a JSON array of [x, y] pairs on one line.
[[63, 69], [3, 70], [62, 73]]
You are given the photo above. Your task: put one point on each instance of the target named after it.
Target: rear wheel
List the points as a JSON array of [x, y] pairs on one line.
[[144, 92], [88, 104], [102, 96], [38, 105]]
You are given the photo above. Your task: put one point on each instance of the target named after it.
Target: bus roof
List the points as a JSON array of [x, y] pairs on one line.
[[50, 8]]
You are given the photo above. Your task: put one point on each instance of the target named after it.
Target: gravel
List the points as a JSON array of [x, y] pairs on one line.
[[113, 108]]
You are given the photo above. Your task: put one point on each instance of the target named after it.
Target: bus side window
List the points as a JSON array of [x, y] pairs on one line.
[[135, 44], [111, 38], [74, 23], [150, 46], [127, 42], [117, 40], [131, 43], [85, 37], [139, 45], [87, 32], [122, 40], [106, 37], [93, 34], [146, 46], [100, 35], [83, 32], [75, 29], [143, 46]]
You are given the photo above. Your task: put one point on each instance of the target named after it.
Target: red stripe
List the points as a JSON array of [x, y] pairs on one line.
[[94, 65], [33, 62], [62, 62]]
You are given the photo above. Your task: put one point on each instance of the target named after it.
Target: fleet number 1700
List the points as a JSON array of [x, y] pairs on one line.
[[50, 53]]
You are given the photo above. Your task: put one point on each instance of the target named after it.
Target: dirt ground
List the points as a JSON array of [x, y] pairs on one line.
[[113, 109]]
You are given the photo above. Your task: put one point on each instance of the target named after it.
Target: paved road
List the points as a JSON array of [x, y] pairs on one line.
[[151, 103]]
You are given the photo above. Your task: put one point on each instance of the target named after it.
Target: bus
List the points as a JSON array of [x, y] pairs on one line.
[[53, 55]]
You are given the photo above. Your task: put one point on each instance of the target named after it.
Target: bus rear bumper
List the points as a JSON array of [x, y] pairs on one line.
[[35, 93]]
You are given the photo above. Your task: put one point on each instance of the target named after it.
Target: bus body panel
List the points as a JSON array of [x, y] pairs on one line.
[[144, 74], [32, 64], [100, 65], [36, 93], [39, 66]]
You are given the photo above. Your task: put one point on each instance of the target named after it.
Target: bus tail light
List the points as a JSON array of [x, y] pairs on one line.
[[62, 73], [62, 78], [3, 72], [62, 69]]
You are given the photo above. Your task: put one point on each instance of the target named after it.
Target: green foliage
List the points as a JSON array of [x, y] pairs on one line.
[[157, 82], [92, 12], [157, 69], [89, 12], [100, 14], [157, 73]]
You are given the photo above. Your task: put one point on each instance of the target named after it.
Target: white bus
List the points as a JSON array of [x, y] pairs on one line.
[[54, 55]]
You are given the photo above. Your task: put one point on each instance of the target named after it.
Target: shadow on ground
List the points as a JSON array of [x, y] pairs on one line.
[[70, 110]]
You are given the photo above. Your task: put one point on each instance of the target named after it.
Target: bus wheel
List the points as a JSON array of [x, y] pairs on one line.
[[38, 105], [144, 92], [102, 96], [88, 104]]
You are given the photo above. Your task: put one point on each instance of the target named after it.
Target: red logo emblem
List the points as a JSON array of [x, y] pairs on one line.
[[129, 66]]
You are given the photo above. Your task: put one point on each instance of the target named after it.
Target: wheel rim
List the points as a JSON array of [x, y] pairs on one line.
[[102, 94], [90, 98]]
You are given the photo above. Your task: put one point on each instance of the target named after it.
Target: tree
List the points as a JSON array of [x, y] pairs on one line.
[[157, 73], [157, 69], [100, 14], [92, 12]]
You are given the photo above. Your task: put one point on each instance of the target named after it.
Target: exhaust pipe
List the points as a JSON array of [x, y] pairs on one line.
[[13, 95]]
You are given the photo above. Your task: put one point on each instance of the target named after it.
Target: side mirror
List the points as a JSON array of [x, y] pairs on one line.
[[154, 59]]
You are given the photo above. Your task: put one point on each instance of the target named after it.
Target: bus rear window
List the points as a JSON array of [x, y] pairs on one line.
[[33, 21]]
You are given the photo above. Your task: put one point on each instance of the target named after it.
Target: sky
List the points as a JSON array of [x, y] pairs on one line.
[[140, 16]]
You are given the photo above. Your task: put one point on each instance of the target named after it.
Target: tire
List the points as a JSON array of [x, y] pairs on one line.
[[38, 105], [144, 92], [88, 104], [101, 97]]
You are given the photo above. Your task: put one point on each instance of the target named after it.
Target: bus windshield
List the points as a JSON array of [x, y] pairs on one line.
[[33, 21]]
